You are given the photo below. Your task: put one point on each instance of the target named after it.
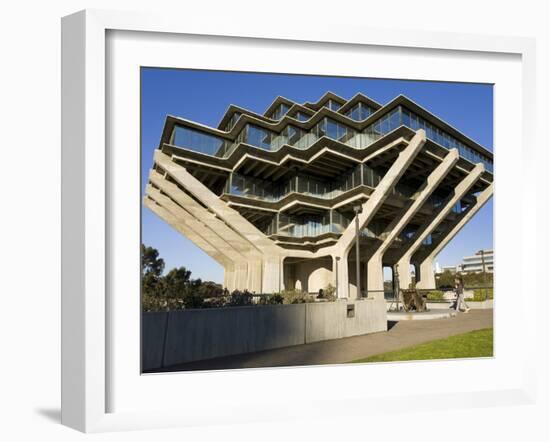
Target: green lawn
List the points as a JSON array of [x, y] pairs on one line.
[[474, 344]]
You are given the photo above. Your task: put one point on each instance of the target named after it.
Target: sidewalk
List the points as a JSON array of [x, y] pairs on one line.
[[402, 334]]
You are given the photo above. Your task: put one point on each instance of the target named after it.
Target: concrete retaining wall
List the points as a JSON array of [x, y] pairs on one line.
[[170, 338], [329, 320]]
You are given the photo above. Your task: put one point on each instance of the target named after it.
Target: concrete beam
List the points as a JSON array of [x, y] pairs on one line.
[[375, 201], [198, 240], [429, 226], [239, 260], [219, 207], [427, 280], [375, 277], [208, 234], [201, 213]]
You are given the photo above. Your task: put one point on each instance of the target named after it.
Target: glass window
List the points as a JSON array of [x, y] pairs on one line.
[[303, 185], [293, 134], [406, 117], [320, 128], [280, 111], [395, 118], [198, 141], [439, 136], [258, 137], [232, 121], [332, 129], [359, 112], [332, 105], [335, 130], [385, 124], [301, 116]]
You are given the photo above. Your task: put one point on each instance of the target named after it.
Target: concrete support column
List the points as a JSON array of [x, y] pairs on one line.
[[403, 268], [271, 276], [229, 275], [241, 275], [341, 267], [382, 191], [375, 273], [429, 226], [254, 280], [426, 279], [369, 209], [335, 273]]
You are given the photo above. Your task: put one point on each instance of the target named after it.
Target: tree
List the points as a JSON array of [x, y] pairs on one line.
[[151, 271], [446, 279], [150, 261]]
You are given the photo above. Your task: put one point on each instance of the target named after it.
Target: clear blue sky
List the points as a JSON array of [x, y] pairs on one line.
[[203, 96]]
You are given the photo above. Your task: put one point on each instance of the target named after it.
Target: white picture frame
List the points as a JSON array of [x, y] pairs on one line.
[[87, 207]]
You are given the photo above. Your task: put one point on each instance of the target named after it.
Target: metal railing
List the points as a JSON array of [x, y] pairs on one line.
[[243, 299], [471, 293]]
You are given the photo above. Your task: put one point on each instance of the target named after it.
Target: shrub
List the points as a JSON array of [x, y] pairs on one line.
[[329, 293], [481, 295], [296, 297], [238, 298], [435, 296], [270, 299]]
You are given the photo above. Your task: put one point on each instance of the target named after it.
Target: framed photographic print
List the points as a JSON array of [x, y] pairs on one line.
[[249, 226]]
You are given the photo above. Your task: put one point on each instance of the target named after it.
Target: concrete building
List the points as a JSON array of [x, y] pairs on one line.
[[282, 199], [481, 261]]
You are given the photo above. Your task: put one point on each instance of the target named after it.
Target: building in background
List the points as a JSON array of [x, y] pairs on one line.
[[452, 269], [481, 261], [312, 194]]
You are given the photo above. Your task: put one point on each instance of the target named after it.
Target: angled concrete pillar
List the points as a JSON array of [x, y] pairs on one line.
[[375, 276], [427, 279], [188, 232], [241, 275], [341, 270], [229, 279], [375, 201], [254, 278], [212, 236], [426, 276], [261, 254], [429, 226], [205, 216], [271, 274], [239, 260], [219, 207], [403, 267]]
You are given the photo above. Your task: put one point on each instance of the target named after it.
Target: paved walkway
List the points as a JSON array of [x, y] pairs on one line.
[[402, 334]]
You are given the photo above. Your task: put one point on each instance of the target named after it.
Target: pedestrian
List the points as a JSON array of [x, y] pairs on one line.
[[459, 290]]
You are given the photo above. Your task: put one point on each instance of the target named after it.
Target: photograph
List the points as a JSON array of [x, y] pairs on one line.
[[302, 220]]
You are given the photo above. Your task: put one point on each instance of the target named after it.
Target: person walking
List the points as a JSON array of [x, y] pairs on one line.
[[459, 290]]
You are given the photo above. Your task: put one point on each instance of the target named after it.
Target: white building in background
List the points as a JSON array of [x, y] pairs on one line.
[[452, 269], [475, 263]]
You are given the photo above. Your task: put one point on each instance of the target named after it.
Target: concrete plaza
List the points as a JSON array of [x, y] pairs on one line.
[[401, 335]]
